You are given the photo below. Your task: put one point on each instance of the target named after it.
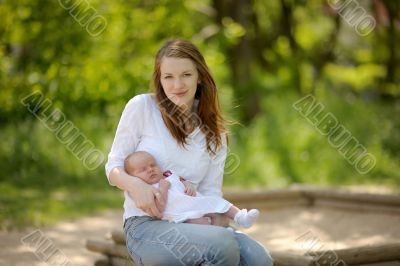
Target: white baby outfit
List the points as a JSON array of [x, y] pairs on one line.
[[181, 206]]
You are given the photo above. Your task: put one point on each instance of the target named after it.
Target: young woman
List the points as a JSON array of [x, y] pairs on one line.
[[182, 127]]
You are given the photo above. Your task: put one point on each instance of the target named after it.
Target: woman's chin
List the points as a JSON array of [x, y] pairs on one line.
[[181, 104]]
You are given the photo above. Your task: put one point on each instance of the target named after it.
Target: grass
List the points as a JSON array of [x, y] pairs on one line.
[[43, 182], [39, 207]]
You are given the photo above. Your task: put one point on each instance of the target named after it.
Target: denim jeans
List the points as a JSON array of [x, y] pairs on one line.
[[151, 241]]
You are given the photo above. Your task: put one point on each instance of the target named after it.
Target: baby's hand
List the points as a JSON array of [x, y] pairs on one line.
[[189, 188]]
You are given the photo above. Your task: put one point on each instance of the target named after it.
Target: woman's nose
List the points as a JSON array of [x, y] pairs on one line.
[[178, 83]]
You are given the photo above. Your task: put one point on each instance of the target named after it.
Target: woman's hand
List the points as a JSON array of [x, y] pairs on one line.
[[164, 186], [189, 188], [145, 197]]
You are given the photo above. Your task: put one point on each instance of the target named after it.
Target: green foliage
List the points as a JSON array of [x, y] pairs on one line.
[[265, 55], [281, 147], [44, 182]]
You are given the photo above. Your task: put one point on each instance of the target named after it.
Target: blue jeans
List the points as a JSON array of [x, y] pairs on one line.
[[151, 241]]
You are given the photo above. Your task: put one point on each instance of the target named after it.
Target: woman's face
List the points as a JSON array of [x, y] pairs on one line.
[[179, 79]]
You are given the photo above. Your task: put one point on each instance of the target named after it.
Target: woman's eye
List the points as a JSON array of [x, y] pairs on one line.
[[187, 75], [167, 77]]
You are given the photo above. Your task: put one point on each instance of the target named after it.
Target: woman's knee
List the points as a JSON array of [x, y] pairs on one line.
[[270, 260], [266, 259], [223, 248], [255, 257], [252, 253]]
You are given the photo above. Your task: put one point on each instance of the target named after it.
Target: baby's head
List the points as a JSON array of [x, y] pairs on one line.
[[141, 164]]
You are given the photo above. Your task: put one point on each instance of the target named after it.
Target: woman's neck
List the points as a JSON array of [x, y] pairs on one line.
[[191, 118]]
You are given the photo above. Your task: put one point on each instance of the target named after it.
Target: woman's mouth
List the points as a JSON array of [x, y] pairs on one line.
[[180, 94]]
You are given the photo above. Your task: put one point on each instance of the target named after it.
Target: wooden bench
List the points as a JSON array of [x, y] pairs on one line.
[[114, 252]]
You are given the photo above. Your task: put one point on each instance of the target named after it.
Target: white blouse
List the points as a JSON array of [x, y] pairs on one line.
[[141, 128]]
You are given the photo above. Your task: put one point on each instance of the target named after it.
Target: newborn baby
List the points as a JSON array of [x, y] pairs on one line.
[[184, 204]]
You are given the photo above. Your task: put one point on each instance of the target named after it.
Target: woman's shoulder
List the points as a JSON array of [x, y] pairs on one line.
[[144, 100]]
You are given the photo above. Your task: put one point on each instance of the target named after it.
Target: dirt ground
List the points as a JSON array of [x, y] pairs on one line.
[[303, 229], [68, 238], [296, 229]]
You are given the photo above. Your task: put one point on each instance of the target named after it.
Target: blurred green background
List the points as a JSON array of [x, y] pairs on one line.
[[265, 56]]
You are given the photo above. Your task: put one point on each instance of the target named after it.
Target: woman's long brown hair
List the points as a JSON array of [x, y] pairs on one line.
[[209, 113]]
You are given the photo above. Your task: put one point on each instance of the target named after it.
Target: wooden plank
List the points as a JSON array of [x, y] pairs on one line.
[[118, 237], [268, 199], [243, 197], [280, 259], [311, 196], [107, 248], [356, 197], [287, 259], [114, 261], [102, 262], [272, 204], [385, 263], [356, 206], [360, 255]]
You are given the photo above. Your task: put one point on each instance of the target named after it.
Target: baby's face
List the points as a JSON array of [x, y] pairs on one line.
[[145, 167]]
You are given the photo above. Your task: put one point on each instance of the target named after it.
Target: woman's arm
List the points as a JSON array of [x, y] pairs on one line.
[[127, 137], [142, 193]]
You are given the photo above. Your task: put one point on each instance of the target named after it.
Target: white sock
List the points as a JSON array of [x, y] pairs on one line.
[[246, 218]]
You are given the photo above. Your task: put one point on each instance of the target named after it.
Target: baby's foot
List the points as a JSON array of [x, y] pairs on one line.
[[246, 218]]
